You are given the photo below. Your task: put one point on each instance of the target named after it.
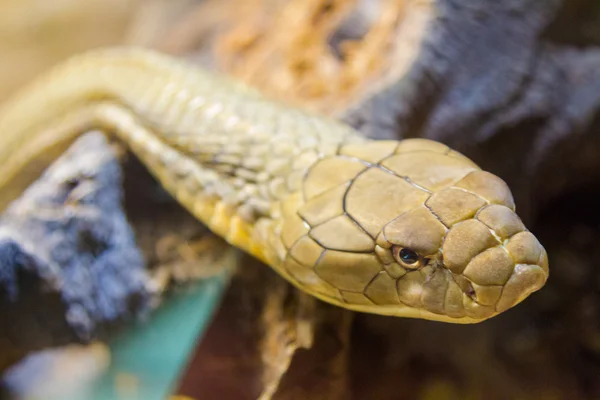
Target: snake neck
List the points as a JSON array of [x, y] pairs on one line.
[[249, 182], [263, 183]]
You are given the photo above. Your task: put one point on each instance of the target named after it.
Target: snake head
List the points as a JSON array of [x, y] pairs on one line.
[[410, 229], [463, 254]]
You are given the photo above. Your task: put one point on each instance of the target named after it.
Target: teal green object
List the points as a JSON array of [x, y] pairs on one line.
[[152, 355]]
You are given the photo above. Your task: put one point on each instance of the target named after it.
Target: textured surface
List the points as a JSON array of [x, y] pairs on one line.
[[267, 178], [61, 265]]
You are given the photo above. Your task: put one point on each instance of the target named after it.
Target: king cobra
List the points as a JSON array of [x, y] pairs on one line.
[[404, 228]]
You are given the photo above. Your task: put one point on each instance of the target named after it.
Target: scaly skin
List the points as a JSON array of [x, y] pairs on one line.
[[407, 228]]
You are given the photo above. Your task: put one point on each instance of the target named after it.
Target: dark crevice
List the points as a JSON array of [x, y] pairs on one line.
[[576, 24]]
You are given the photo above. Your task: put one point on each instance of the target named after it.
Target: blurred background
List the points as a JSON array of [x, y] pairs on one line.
[[514, 85]]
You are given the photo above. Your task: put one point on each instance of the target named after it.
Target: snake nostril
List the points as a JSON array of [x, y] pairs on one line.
[[465, 286], [471, 292]]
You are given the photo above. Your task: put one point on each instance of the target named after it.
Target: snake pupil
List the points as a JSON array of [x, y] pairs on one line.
[[409, 256]]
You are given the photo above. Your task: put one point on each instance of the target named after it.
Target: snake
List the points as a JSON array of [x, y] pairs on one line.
[[407, 228]]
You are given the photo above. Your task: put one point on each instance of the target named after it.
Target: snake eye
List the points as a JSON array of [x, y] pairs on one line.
[[408, 258]]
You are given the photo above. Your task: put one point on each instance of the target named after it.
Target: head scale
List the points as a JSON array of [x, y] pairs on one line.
[[412, 229]]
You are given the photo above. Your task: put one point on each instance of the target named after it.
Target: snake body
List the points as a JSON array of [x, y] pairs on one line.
[[407, 228]]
